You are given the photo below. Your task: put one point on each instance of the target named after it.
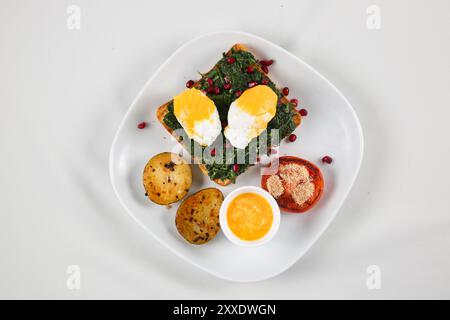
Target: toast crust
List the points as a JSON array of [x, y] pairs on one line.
[[163, 110]]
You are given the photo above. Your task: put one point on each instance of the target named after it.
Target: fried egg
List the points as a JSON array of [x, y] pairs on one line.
[[198, 116], [249, 115]]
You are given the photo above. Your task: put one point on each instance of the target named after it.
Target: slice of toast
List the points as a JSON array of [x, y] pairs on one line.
[[162, 111]]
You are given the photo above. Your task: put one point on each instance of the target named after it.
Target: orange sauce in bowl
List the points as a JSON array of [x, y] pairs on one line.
[[249, 216]]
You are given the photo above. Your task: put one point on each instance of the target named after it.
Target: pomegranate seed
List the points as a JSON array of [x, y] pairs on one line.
[[252, 84], [210, 82], [142, 125], [235, 167], [238, 93], [265, 69], [210, 90], [285, 91], [249, 69], [190, 83], [213, 152], [266, 63], [231, 60], [227, 86], [217, 90], [258, 159], [292, 137], [303, 112], [294, 102], [265, 81], [327, 159]]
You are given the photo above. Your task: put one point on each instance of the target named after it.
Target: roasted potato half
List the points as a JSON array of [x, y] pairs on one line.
[[167, 178], [197, 217]]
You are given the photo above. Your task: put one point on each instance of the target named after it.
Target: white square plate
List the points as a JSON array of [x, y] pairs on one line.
[[331, 128]]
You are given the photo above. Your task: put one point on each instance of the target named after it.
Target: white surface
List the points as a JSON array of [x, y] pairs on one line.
[[333, 129], [63, 94]]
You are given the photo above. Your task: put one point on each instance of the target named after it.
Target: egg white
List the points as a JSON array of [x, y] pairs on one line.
[[206, 131], [241, 126]]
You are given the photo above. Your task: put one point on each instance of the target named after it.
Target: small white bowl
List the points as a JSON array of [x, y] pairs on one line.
[[224, 221]]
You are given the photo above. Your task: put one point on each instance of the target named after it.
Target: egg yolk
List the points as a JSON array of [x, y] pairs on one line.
[[258, 100], [192, 106], [249, 216], [261, 103]]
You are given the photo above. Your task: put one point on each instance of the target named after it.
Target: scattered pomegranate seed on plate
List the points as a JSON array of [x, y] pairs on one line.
[[238, 93], [327, 159], [285, 91], [266, 63], [249, 69], [217, 90], [303, 112], [235, 167], [142, 125], [190, 83], [292, 137], [265, 69], [231, 60], [210, 82], [213, 152]]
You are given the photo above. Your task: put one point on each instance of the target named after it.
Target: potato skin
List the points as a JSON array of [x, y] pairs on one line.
[[167, 178], [197, 218]]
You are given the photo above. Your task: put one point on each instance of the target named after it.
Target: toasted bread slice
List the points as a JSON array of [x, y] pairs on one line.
[[163, 110]]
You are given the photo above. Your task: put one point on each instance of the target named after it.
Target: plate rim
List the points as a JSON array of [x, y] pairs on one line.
[[327, 223]]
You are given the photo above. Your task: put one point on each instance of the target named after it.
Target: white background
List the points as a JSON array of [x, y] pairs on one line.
[[64, 92]]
